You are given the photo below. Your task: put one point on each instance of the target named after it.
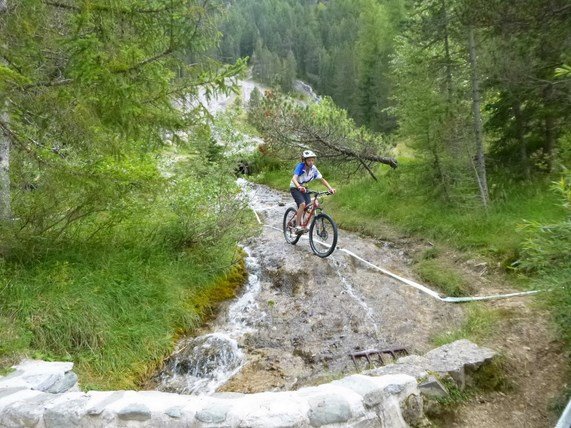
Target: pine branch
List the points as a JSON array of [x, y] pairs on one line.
[[100, 8]]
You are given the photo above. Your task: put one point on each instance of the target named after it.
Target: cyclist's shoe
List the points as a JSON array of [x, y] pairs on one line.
[[301, 230]]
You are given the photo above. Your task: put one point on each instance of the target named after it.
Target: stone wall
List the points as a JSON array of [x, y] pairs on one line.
[[46, 394]]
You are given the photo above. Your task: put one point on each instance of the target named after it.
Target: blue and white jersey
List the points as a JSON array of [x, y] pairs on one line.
[[305, 174]]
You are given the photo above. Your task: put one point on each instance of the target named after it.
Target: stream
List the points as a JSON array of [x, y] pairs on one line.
[[299, 317]]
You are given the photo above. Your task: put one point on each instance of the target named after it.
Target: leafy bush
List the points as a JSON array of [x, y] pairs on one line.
[[548, 246], [547, 254]]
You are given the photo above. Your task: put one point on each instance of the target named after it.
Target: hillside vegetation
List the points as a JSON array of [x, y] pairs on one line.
[[119, 220], [111, 242]]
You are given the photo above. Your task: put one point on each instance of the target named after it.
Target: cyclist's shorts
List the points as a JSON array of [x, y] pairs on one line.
[[299, 197]]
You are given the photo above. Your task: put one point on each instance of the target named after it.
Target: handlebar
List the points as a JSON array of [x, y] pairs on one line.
[[312, 192]]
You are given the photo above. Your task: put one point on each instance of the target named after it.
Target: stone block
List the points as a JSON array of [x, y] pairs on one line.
[[41, 376], [66, 412], [23, 394], [24, 413], [97, 408], [63, 384], [360, 384], [453, 359], [134, 412], [174, 412], [214, 413], [432, 388], [4, 392], [412, 365], [412, 409], [369, 422], [328, 409], [269, 409]]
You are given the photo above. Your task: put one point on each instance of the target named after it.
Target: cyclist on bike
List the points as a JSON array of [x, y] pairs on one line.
[[304, 172]]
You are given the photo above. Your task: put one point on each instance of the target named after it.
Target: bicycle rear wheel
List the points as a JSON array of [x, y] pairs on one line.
[[323, 235], [289, 226]]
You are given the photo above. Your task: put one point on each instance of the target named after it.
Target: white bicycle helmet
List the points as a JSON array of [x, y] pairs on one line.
[[308, 154]]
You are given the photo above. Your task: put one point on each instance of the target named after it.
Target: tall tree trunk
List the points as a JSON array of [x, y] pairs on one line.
[[520, 134], [447, 54], [480, 167], [438, 166], [5, 197]]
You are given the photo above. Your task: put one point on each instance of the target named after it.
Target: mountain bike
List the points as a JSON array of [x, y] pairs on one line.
[[322, 231]]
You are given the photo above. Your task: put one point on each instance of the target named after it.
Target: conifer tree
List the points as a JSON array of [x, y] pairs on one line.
[[88, 90]]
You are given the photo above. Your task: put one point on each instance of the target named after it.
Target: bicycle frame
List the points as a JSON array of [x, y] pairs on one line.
[[307, 216]]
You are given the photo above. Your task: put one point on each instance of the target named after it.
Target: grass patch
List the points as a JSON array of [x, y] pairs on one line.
[[272, 173], [455, 396], [493, 376], [436, 270], [446, 278], [398, 199], [115, 311], [480, 324]]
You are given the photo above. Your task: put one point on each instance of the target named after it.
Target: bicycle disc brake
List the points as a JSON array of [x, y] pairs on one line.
[[321, 231]]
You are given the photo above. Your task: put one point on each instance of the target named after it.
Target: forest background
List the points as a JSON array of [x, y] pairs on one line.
[[110, 249]]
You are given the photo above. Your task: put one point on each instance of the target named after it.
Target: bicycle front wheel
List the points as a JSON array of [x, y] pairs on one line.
[[289, 226], [323, 235]]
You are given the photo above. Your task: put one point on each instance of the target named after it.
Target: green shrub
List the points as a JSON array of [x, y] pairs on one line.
[[546, 254]]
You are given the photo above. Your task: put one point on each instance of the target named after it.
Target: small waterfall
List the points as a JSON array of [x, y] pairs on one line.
[[351, 292], [202, 364]]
